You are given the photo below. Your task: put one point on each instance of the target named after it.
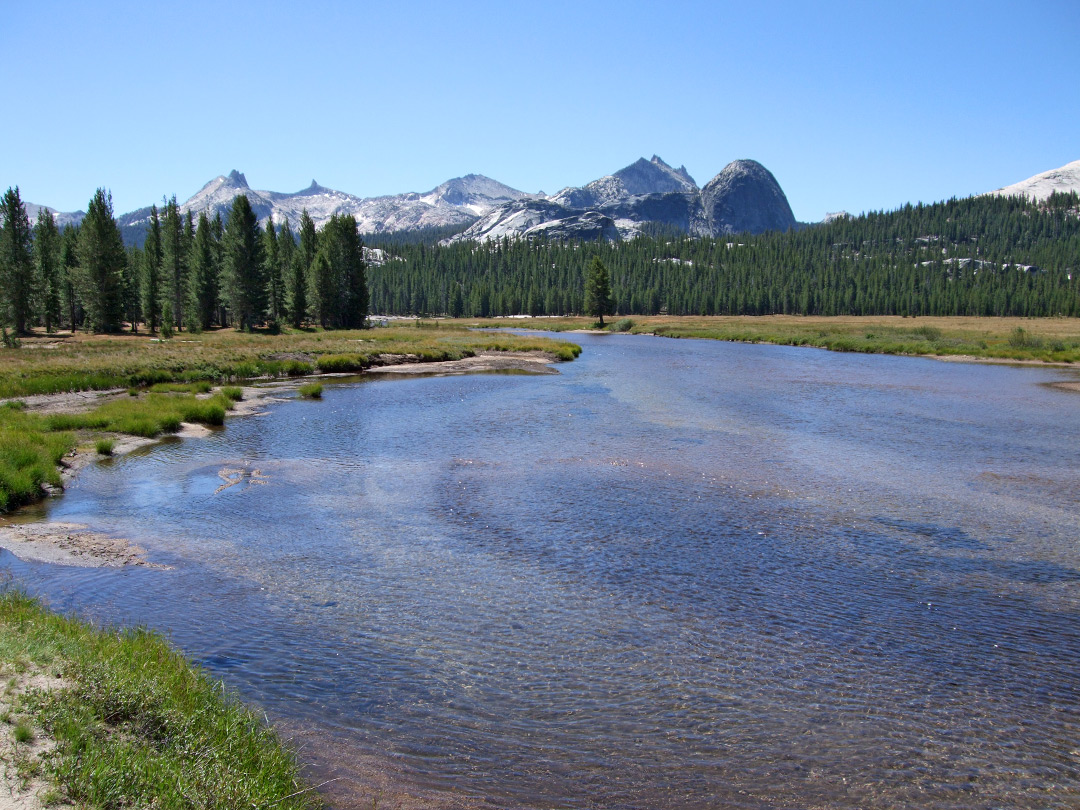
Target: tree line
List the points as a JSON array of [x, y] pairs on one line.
[[189, 274], [975, 256]]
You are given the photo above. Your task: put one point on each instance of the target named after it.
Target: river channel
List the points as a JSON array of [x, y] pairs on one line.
[[676, 574]]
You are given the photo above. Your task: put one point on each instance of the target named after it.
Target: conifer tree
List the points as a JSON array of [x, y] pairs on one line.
[[101, 265], [174, 268], [47, 267], [186, 298], [151, 273], [204, 274], [69, 268], [597, 290], [286, 259], [245, 287], [275, 288], [302, 275], [16, 263]]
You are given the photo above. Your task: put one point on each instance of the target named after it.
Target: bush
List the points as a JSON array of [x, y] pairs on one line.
[[622, 325]]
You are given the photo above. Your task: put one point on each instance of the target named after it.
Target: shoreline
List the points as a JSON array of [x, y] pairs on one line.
[[62, 543]]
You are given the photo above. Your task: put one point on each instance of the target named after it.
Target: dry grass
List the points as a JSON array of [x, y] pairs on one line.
[[1039, 339], [82, 362]]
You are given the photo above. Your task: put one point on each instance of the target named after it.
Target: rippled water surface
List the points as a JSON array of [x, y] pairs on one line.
[[679, 574]]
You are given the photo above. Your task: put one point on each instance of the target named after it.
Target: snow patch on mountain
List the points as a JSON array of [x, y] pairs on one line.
[[458, 201]]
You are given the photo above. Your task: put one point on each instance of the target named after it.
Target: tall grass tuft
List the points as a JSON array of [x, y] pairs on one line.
[[138, 726]]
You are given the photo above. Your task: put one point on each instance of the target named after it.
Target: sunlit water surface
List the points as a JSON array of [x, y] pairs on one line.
[[679, 574]]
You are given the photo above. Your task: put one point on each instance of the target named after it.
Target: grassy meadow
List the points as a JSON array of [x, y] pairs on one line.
[[1052, 340], [135, 725]]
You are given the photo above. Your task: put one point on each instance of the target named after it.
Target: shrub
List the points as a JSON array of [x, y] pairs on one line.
[[622, 325]]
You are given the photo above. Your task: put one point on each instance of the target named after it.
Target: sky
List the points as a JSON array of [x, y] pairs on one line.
[[852, 106]]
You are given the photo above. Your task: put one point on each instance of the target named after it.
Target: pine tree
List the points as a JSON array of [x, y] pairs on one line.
[[245, 288], [174, 268], [302, 270], [16, 263], [151, 273], [47, 267], [188, 301], [101, 265], [204, 273], [69, 268], [597, 290], [342, 294], [275, 288], [286, 259]]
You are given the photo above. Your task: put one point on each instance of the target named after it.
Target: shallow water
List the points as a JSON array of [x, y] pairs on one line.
[[678, 574]]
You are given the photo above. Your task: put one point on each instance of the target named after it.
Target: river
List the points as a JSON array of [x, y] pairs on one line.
[[678, 574]]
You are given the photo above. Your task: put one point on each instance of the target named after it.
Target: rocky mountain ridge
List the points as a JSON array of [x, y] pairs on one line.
[[743, 197]]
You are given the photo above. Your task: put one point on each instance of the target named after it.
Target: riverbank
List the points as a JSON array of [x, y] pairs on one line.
[[118, 718], [1039, 340], [63, 396]]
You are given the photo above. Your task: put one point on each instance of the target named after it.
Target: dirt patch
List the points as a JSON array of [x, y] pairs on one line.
[[1065, 385], [533, 362], [22, 783], [68, 402], [70, 544]]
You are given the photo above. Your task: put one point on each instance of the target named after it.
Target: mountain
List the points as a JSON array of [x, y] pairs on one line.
[[456, 202], [743, 197], [641, 177], [1041, 186], [62, 217]]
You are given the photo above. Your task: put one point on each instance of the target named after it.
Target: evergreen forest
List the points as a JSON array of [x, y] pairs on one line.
[[990, 256], [974, 256]]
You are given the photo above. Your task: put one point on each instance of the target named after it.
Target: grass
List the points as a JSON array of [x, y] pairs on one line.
[[1054, 340], [310, 390], [48, 364], [147, 416], [136, 725], [104, 447], [30, 453]]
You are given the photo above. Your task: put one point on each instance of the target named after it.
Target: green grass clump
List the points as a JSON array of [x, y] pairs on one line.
[[29, 455], [23, 733], [136, 725], [310, 390], [202, 387], [233, 392], [148, 416], [104, 447], [343, 363], [622, 325]]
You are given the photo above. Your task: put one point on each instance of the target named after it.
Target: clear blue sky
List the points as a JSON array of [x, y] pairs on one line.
[[851, 105]]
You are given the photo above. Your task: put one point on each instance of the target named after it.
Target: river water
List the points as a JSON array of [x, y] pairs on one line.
[[678, 574]]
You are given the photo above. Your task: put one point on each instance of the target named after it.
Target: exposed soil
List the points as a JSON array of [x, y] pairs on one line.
[[22, 785]]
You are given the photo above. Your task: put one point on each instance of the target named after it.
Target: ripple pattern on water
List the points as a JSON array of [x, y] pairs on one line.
[[678, 574]]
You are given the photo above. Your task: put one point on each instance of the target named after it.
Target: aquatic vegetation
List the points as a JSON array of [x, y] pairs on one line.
[[310, 391]]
